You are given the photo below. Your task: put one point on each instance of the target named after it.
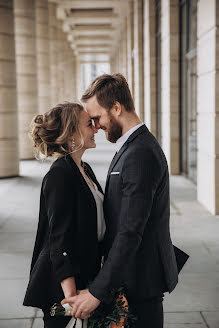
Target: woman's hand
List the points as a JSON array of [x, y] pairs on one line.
[[83, 304], [69, 287]]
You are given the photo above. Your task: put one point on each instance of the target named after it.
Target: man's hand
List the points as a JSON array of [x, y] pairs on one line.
[[82, 304]]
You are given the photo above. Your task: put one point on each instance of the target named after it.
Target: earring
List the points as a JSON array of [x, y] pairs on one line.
[[73, 144]]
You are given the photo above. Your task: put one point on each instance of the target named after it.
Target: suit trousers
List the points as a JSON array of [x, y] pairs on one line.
[[149, 313]]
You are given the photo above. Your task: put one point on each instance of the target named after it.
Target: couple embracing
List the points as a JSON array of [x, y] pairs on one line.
[[128, 227]]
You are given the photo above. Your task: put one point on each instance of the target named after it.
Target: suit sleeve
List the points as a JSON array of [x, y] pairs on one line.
[[59, 197], [140, 174]]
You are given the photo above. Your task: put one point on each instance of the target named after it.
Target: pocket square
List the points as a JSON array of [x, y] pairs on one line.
[[114, 173]]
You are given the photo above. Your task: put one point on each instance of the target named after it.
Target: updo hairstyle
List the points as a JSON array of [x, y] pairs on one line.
[[50, 131]]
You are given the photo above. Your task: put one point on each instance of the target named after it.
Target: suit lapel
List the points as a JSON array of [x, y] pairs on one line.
[[117, 156], [114, 161]]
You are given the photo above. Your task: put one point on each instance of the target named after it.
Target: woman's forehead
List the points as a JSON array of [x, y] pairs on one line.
[[84, 116]]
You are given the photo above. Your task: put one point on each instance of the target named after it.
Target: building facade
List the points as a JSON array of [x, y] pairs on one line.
[[167, 49]]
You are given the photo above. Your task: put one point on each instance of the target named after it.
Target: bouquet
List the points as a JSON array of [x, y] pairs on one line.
[[117, 314]]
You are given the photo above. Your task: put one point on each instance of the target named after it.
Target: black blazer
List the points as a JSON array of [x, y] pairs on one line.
[[66, 242], [138, 250]]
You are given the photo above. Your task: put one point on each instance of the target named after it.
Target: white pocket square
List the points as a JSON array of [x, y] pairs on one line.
[[114, 173]]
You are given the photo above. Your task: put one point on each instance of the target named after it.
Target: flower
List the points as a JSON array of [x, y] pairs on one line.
[[121, 301]]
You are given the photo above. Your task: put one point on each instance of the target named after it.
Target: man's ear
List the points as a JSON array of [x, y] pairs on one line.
[[117, 108]]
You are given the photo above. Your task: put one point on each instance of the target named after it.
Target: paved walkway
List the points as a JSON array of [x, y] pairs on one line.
[[193, 304]]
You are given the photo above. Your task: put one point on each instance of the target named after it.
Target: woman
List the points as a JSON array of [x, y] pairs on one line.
[[67, 253]]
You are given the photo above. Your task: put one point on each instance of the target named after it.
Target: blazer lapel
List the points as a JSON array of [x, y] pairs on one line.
[[73, 165]]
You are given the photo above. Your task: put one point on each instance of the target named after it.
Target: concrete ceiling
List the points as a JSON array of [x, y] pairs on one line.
[[92, 27]]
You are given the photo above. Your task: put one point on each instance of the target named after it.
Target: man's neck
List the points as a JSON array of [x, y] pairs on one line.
[[129, 124]]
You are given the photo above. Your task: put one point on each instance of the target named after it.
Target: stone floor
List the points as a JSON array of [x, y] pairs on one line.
[[193, 304]]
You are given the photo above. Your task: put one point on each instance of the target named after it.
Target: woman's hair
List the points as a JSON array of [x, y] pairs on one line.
[[109, 89], [50, 131]]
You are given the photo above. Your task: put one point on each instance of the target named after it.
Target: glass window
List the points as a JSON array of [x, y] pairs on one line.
[[188, 81]]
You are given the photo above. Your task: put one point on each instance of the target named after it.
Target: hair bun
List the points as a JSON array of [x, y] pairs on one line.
[[39, 119]]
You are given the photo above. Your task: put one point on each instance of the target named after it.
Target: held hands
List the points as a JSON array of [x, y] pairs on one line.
[[83, 304]]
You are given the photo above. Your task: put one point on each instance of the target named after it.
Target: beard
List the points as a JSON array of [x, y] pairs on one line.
[[114, 130]]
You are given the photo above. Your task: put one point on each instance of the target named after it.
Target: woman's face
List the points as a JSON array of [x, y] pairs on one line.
[[88, 131]]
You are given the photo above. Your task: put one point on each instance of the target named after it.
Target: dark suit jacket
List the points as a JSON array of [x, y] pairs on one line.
[[66, 242], [138, 249]]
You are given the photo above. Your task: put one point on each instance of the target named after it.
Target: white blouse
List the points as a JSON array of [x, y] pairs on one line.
[[101, 225]]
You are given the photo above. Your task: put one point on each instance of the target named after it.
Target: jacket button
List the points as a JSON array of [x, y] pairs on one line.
[[65, 254]]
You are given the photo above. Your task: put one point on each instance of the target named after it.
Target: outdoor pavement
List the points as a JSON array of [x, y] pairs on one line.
[[193, 304]]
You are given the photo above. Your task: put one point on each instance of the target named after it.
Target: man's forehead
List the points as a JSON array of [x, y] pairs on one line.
[[93, 111]]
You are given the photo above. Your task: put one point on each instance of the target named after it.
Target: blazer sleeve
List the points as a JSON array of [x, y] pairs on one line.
[[141, 174], [59, 195]]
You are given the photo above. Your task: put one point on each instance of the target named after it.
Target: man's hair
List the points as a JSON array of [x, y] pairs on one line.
[[109, 89]]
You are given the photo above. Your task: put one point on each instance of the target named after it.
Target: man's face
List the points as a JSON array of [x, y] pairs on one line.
[[104, 120]]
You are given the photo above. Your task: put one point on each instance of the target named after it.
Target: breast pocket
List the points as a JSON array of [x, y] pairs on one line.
[[115, 183]]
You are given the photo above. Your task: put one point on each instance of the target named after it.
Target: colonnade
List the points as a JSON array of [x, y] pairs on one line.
[[37, 71]]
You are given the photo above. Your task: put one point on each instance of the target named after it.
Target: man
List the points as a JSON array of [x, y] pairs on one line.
[[138, 252]]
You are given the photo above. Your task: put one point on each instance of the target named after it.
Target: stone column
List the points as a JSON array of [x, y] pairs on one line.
[[72, 77], [60, 62], [74, 91], [112, 65], [53, 40], [115, 56], [150, 65], [9, 160], [138, 58], [26, 71], [208, 104], [124, 51], [78, 78], [170, 82], [69, 73], [120, 63], [130, 46], [42, 50]]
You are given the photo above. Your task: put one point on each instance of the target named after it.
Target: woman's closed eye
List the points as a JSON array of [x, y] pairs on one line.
[[91, 123]]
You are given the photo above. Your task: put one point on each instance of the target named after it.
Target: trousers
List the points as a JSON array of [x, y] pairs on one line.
[[149, 313]]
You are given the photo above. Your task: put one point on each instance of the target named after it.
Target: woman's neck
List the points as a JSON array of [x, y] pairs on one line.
[[77, 157]]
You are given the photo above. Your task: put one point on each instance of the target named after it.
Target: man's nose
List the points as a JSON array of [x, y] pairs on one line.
[[97, 125]]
